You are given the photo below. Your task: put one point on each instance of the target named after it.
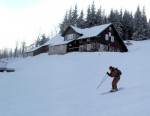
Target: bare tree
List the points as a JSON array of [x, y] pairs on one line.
[[23, 46], [16, 50]]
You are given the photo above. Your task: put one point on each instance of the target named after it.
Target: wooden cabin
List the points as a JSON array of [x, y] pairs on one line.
[[98, 38], [37, 50]]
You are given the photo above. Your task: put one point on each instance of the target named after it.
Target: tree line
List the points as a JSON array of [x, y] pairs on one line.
[[129, 26], [21, 48], [13, 53]]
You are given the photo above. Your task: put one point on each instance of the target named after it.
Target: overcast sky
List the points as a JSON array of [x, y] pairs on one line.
[[26, 19]]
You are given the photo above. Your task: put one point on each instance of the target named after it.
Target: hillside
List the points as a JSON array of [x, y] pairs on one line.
[[65, 85]]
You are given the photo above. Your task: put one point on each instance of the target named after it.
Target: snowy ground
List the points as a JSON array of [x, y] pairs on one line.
[[65, 85]]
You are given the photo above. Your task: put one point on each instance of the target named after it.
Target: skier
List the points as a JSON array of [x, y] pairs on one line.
[[115, 73]]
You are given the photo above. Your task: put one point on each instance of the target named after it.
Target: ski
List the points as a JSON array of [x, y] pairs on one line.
[[104, 93]]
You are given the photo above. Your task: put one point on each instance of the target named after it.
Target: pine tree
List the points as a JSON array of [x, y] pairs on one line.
[[105, 18], [64, 23], [88, 18], [99, 17], [137, 24], [145, 24], [70, 18], [115, 18], [74, 16], [44, 39], [127, 24], [148, 29], [81, 21], [93, 15]]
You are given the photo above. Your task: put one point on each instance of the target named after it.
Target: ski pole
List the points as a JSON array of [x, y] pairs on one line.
[[102, 81]]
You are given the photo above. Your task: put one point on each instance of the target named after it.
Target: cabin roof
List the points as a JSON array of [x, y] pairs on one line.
[[57, 40], [90, 32]]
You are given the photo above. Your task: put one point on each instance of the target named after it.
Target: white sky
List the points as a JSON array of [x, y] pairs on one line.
[[26, 19]]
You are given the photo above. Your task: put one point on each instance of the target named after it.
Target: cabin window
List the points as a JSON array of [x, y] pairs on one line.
[[88, 39], [81, 48], [101, 47], [109, 34], [89, 46], [106, 47], [112, 38], [70, 36], [111, 48], [106, 37], [109, 28]]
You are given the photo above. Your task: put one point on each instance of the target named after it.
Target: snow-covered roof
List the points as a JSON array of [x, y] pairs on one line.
[[33, 49], [91, 32], [56, 40]]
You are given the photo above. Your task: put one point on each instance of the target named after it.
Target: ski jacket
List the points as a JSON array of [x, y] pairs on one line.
[[114, 73]]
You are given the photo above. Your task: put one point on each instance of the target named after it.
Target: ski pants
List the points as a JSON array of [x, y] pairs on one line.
[[114, 82]]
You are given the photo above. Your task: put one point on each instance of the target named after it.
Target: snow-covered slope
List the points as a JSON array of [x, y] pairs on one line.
[[65, 85]]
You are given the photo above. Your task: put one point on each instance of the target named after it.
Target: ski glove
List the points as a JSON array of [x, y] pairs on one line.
[[107, 73]]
